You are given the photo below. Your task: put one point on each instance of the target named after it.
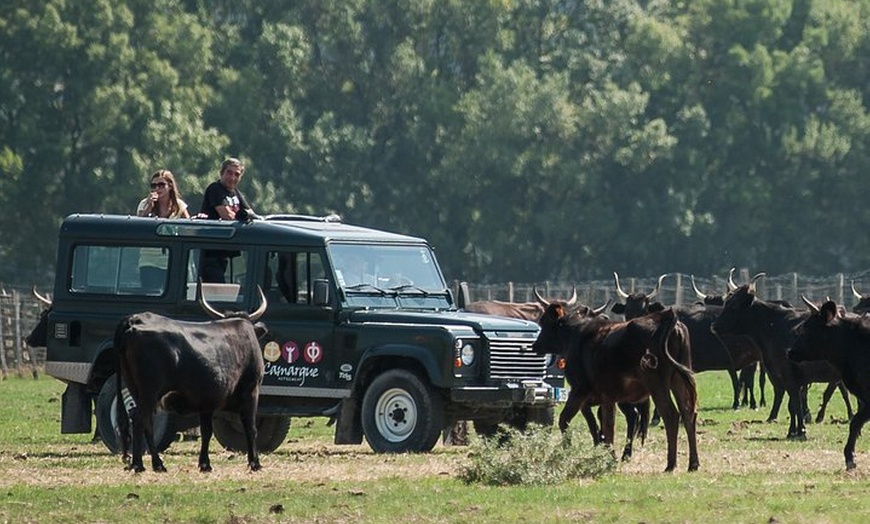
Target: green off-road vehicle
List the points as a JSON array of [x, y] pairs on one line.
[[363, 328]]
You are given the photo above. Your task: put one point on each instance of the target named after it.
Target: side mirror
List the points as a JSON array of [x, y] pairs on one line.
[[321, 292], [464, 297]]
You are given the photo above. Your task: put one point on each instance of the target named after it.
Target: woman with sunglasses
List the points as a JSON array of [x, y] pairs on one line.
[[164, 200]]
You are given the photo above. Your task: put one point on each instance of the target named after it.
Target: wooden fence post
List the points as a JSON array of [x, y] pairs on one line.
[[3, 341]]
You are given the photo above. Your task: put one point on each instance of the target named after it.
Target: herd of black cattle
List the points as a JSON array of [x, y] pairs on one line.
[[652, 354], [655, 350]]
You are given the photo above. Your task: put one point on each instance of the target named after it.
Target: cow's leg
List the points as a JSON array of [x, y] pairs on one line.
[[631, 413], [572, 406], [591, 423], [845, 393], [735, 386], [858, 420], [248, 414], [796, 428], [156, 461], [762, 382], [608, 422], [670, 418], [205, 432], [686, 394], [778, 394], [826, 397]]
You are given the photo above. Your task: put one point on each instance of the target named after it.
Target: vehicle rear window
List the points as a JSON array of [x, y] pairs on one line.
[[119, 270]]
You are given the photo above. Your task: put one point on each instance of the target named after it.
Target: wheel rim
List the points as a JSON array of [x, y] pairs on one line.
[[396, 415]]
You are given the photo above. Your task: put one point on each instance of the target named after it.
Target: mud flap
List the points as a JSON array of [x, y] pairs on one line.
[[75, 410]]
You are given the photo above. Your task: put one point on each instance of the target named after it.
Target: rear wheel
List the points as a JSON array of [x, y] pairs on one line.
[[271, 432], [110, 425], [401, 413]]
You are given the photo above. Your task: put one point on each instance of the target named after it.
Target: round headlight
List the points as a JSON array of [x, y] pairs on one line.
[[467, 354]]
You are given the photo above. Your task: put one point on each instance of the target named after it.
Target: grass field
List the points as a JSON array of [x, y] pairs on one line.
[[749, 473]]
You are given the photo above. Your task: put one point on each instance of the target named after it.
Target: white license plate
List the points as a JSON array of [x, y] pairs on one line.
[[560, 394]]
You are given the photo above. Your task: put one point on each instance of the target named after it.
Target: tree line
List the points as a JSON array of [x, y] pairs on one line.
[[528, 140]]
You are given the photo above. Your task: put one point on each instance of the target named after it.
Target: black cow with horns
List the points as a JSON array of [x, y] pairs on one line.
[[190, 367], [609, 362], [841, 340]]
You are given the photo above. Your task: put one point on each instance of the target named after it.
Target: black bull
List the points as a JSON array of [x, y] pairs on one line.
[[609, 362], [190, 367], [771, 328], [842, 340]]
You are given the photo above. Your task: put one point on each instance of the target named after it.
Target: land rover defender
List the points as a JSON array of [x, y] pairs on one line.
[[363, 328]]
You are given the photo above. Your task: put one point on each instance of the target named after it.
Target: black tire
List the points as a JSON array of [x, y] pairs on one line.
[[401, 414], [109, 426], [271, 432]]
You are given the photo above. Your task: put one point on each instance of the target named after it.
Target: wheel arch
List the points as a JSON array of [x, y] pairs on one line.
[[104, 365]]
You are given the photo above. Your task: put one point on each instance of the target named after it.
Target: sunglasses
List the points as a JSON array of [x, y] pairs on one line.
[[158, 184]]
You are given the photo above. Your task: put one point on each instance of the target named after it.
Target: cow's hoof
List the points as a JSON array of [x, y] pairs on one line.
[[160, 469], [255, 466], [694, 466], [850, 465], [801, 436], [137, 468], [205, 468]]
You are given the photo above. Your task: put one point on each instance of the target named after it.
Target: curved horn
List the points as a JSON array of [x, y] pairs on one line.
[[855, 291], [731, 285], [752, 281], [253, 317], [203, 303], [39, 297], [698, 293], [655, 291], [573, 299], [538, 296], [814, 308], [601, 309], [622, 294]]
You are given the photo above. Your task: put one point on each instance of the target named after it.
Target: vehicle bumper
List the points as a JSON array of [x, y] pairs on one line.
[[527, 393]]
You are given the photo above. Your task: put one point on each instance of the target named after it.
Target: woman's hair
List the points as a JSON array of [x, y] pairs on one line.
[[174, 193]]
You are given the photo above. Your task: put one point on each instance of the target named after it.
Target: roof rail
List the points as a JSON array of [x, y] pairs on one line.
[[303, 218]]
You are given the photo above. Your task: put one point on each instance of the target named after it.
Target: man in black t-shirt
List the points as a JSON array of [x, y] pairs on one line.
[[223, 201]]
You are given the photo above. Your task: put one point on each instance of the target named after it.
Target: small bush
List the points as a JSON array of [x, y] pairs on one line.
[[537, 456]]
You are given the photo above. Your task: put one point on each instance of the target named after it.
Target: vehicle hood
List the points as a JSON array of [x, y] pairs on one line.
[[444, 318]]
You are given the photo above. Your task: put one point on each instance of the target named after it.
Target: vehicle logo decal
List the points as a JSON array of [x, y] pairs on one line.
[[313, 352], [290, 351], [271, 351]]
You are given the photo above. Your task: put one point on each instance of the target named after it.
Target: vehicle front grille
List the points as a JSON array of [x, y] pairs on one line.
[[513, 359]]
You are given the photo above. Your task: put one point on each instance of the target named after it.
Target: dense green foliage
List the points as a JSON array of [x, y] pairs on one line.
[[527, 139]]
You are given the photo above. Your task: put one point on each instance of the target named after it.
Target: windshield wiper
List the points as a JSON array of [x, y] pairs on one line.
[[405, 287], [361, 286]]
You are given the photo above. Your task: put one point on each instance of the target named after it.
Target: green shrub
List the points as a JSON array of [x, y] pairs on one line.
[[537, 456]]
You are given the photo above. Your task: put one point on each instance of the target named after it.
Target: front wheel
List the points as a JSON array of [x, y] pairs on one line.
[[271, 432], [401, 414], [110, 424]]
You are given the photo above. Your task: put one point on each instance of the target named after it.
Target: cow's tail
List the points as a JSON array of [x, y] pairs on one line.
[[671, 332], [124, 433]]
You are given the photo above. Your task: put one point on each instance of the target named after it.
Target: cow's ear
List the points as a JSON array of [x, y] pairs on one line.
[[829, 311], [618, 308], [260, 330], [656, 306]]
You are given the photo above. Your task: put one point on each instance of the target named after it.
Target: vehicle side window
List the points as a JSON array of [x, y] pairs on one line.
[[119, 270], [223, 274], [290, 276]]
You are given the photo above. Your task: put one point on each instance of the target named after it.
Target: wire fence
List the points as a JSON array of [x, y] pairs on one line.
[[677, 289], [19, 314], [20, 310]]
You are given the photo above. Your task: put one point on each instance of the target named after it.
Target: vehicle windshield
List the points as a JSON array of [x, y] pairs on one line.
[[386, 269]]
